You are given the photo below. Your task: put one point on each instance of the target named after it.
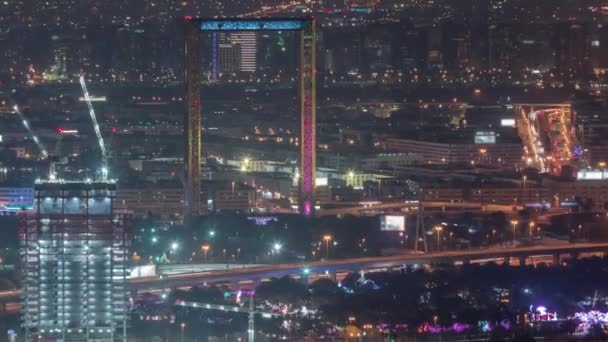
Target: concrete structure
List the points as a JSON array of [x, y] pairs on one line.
[[237, 200], [358, 264], [389, 160], [193, 205], [567, 191], [355, 264], [154, 201], [74, 254], [489, 194], [506, 155]]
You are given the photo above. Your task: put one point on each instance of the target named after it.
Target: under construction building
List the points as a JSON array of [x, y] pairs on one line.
[[74, 263]]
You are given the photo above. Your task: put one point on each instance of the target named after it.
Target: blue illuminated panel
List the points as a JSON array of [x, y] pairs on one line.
[[252, 25]]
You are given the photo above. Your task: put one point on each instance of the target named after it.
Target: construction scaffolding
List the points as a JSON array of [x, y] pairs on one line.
[[74, 263]]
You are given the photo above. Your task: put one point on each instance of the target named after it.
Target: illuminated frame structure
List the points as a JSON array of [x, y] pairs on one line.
[[307, 92]]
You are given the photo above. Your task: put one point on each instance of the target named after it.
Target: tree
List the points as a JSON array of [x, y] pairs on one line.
[[283, 290]]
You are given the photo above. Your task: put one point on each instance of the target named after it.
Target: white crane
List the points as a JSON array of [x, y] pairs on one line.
[[102, 146], [33, 135]]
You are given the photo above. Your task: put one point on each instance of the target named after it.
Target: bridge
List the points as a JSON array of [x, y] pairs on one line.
[[357, 264], [373, 208], [259, 273]]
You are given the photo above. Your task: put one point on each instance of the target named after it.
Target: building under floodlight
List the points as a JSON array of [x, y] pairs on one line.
[[74, 263]]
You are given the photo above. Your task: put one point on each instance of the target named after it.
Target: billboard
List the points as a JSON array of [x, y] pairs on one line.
[[507, 122], [591, 175], [485, 137], [392, 223]]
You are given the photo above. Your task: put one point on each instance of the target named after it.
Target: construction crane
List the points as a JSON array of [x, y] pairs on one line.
[[33, 135], [102, 147]]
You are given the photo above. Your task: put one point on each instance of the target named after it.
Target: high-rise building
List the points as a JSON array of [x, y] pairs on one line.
[[74, 255], [234, 52], [248, 44], [229, 58]]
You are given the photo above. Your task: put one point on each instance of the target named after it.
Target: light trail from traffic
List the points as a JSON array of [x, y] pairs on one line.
[[546, 132]]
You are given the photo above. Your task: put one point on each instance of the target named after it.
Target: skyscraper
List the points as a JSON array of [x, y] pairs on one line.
[[248, 44], [74, 254], [237, 52], [229, 58]]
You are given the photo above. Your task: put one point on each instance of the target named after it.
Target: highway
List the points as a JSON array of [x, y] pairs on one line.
[[412, 207], [259, 273], [356, 264]]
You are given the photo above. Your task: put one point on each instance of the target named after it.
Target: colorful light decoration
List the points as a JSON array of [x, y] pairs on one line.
[[590, 319], [252, 25], [542, 314]]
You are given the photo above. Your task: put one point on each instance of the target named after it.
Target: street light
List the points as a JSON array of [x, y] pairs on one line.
[[212, 233], [438, 229], [276, 248], [531, 225], [205, 249], [174, 246], [183, 326], [523, 196], [514, 223], [327, 238]]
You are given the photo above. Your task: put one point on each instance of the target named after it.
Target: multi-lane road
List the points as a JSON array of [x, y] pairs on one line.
[[259, 273], [356, 264]]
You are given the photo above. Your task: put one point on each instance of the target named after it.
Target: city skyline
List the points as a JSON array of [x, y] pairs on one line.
[[358, 170]]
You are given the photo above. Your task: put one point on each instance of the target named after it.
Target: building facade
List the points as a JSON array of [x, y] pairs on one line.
[[159, 202], [507, 155], [73, 250]]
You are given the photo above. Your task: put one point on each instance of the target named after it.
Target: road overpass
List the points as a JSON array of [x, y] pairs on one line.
[[429, 207], [259, 273], [357, 264]]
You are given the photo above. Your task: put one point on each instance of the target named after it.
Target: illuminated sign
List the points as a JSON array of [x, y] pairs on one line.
[[18, 207], [321, 181], [507, 122], [485, 137], [252, 25], [392, 223], [262, 220], [591, 175]]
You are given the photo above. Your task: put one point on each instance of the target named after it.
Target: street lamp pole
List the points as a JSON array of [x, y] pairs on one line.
[[514, 223], [205, 249], [183, 325], [327, 238], [438, 229], [276, 248], [531, 225]]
